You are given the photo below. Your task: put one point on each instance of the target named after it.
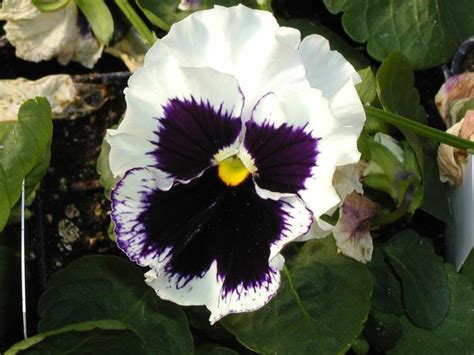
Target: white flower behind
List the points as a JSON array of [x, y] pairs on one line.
[[38, 35]]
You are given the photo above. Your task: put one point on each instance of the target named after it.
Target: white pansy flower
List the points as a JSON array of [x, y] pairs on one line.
[[233, 130]]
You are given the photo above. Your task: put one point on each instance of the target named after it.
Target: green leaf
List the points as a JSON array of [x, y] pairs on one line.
[[308, 27], [214, 349], [382, 330], [49, 5], [25, 153], [108, 287], [367, 87], [99, 17], [435, 200], [99, 337], [455, 333], [396, 88], [397, 94], [427, 32], [424, 282], [107, 179], [164, 13], [387, 295], [320, 308]]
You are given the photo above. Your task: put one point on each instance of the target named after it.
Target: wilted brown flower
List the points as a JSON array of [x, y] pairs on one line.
[[450, 159]]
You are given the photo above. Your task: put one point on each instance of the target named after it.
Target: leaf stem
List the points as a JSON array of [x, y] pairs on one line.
[[420, 129], [136, 21], [265, 5]]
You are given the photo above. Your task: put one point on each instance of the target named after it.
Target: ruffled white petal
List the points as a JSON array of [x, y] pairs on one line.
[[207, 290], [329, 72], [150, 89], [289, 36], [349, 112], [326, 70], [319, 194], [238, 41]]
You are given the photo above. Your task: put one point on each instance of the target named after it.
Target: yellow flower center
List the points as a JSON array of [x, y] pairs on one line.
[[232, 171]]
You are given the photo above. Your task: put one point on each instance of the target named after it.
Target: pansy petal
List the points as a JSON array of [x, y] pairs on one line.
[[129, 202], [326, 70], [305, 167], [211, 244], [281, 140], [319, 194], [238, 41], [289, 36], [350, 115], [283, 156], [177, 119]]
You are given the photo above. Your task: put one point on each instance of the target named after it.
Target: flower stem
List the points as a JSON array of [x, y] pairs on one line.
[[136, 21], [393, 216], [420, 129]]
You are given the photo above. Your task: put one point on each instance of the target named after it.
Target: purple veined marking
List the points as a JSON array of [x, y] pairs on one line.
[[284, 156]]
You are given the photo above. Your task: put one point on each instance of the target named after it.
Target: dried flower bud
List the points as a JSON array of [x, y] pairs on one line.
[[454, 96], [189, 5], [450, 159], [352, 231]]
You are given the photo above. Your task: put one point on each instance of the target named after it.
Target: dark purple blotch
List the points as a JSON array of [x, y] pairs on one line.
[[284, 155], [205, 221], [190, 133]]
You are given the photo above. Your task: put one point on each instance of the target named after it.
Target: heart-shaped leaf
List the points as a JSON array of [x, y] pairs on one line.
[[424, 282], [24, 152], [454, 335], [106, 287], [387, 295], [427, 32]]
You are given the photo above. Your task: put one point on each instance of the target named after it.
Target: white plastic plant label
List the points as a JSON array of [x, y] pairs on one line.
[[461, 230]]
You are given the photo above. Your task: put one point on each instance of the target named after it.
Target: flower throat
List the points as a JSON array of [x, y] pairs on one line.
[[232, 171]]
